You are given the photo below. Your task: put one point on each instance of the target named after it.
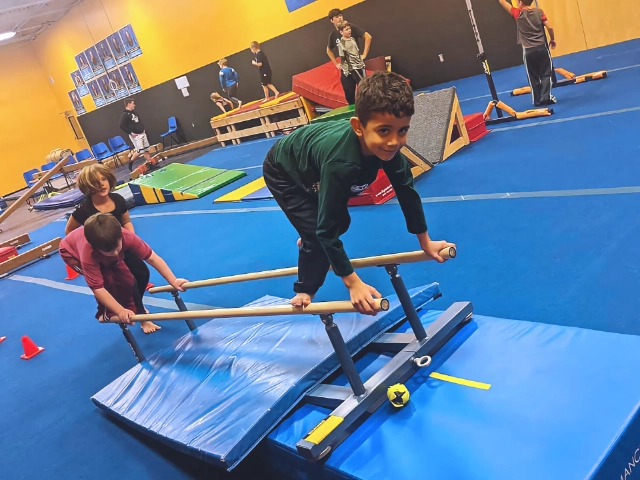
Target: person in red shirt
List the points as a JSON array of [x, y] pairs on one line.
[[531, 22], [97, 251]]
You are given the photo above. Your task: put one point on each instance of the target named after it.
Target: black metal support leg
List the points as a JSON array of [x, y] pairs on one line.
[[405, 301], [183, 308], [348, 367], [132, 343]]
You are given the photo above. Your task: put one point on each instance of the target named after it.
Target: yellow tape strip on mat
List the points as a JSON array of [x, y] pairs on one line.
[[243, 191], [460, 381]]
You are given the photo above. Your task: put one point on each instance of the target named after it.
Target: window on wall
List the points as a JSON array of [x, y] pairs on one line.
[[75, 126]]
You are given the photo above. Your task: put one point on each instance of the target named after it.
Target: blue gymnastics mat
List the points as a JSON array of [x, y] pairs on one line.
[[222, 388], [562, 404]]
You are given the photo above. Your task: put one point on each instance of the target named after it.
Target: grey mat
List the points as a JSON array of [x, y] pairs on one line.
[[430, 123]]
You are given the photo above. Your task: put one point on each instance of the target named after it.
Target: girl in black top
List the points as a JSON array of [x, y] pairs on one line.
[[96, 182]]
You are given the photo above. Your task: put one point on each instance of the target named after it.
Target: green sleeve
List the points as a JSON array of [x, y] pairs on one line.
[[399, 172], [333, 215]]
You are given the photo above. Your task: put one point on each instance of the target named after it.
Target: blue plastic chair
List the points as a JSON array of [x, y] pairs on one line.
[[49, 166], [28, 177], [72, 160], [101, 151], [83, 155], [118, 145], [173, 129]]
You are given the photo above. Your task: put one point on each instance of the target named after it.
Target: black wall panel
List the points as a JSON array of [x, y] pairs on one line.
[[413, 32]]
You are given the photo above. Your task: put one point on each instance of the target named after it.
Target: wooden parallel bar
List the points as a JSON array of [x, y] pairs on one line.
[[379, 260], [320, 308]]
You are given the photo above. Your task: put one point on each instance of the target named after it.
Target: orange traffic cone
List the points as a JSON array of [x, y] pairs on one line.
[[30, 348], [2, 339], [71, 273]]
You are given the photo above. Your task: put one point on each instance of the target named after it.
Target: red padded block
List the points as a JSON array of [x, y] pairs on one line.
[[7, 252], [379, 192], [322, 84], [476, 126]]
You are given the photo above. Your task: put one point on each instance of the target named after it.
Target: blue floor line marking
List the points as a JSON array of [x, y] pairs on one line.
[[156, 302], [451, 198], [568, 119]]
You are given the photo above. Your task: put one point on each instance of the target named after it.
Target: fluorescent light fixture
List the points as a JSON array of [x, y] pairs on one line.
[[7, 35]]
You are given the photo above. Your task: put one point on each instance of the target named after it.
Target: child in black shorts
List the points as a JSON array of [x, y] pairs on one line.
[[97, 182], [262, 62]]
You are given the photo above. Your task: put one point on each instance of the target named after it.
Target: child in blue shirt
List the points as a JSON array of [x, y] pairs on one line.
[[229, 81]]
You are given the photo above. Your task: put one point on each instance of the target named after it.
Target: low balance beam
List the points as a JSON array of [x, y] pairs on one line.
[[45, 178], [377, 261], [320, 308]]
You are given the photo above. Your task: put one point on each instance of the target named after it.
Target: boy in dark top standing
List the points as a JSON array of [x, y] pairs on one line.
[[313, 172], [131, 124], [531, 22], [348, 85], [262, 62]]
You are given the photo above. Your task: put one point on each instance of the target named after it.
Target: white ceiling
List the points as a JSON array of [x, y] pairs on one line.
[[29, 18]]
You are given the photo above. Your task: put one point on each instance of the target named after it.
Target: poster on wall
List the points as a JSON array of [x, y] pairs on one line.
[[94, 61], [77, 102], [130, 41], [117, 48], [81, 87], [96, 93], [117, 84], [83, 65], [296, 4], [105, 54], [107, 92], [130, 78]]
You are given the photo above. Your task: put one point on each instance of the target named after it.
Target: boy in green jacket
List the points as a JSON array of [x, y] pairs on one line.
[[313, 172]]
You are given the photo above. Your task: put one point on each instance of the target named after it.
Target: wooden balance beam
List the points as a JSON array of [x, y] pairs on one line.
[[29, 256], [17, 241], [45, 178], [320, 308], [377, 261]]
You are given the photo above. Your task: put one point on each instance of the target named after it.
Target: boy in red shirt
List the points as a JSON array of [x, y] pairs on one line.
[[531, 22], [97, 251]]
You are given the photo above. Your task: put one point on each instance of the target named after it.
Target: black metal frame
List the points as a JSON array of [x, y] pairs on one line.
[[351, 404]]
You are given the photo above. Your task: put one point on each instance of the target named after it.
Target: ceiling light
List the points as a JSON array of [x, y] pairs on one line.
[[7, 35]]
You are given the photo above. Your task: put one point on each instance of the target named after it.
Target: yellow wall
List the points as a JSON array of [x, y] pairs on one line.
[[586, 24], [175, 37], [32, 122]]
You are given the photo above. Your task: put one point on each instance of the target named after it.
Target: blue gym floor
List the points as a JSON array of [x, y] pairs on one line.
[[544, 214]]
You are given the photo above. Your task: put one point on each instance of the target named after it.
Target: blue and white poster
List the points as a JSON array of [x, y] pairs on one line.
[[130, 78], [96, 93], [117, 84], [107, 91], [79, 83], [130, 41], [296, 4], [117, 48], [94, 61], [77, 102], [83, 65], [105, 54]]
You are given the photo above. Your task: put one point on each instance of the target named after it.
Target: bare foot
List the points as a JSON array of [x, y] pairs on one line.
[[149, 327], [301, 300], [277, 95]]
